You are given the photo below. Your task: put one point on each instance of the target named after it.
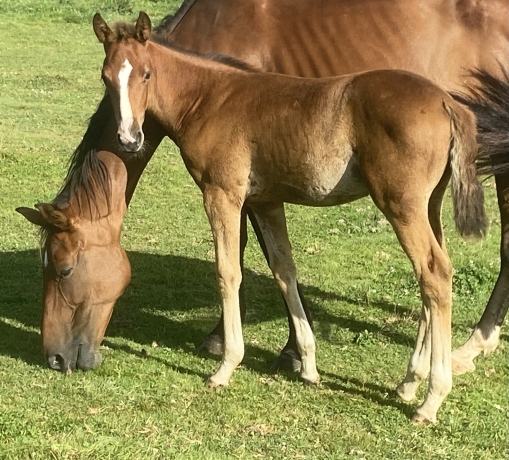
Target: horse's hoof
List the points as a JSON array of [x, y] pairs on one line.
[[462, 367], [404, 393], [211, 383], [213, 344], [287, 361], [310, 382], [419, 419]]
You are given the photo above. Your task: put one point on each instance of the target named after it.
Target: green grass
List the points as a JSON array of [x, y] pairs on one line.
[[147, 399]]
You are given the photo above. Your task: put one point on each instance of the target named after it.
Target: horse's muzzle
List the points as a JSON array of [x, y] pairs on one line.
[[132, 145], [82, 358]]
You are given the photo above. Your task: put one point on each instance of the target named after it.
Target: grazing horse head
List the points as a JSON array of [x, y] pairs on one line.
[[85, 269], [126, 74]]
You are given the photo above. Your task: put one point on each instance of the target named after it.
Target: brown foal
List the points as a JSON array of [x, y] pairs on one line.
[[263, 140]]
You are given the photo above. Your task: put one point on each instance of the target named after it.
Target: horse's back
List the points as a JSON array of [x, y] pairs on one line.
[[435, 38]]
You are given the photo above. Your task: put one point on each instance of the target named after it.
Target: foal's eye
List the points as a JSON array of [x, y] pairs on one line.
[[147, 75]]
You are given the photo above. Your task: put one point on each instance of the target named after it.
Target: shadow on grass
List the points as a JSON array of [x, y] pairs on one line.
[[171, 300], [142, 354], [378, 394]]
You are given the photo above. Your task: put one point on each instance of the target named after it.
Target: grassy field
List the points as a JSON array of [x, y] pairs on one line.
[[147, 400]]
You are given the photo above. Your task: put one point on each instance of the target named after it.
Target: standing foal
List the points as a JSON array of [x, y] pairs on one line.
[[263, 140]]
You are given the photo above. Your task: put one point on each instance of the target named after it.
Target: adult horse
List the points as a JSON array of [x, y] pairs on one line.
[[439, 39], [261, 140]]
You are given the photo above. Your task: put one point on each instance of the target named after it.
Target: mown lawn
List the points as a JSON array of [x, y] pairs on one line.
[[147, 400]]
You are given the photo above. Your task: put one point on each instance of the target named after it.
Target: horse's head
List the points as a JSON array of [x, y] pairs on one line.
[[85, 270], [126, 73]]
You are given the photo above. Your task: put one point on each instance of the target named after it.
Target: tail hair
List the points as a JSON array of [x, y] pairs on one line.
[[488, 99], [467, 193]]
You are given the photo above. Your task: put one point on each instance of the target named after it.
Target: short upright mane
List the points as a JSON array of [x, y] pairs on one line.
[[217, 57], [122, 31]]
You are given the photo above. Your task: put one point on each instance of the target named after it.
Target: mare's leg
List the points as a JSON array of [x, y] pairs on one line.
[[484, 338], [213, 343], [289, 358], [272, 225], [224, 213]]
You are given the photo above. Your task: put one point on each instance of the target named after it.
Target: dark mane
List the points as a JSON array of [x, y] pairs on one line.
[[488, 98], [170, 22], [87, 172]]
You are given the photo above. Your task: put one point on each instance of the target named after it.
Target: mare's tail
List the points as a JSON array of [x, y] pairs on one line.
[[467, 193], [488, 98]]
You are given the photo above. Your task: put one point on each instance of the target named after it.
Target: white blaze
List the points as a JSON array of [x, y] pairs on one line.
[[45, 259], [126, 113]]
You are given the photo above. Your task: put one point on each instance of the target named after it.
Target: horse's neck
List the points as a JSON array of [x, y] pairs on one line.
[[184, 84]]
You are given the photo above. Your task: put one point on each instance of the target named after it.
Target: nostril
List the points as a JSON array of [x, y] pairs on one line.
[[56, 362], [138, 137], [119, 139]]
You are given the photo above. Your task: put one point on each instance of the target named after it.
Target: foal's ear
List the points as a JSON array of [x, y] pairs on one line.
[[143, 27], [101, 29]]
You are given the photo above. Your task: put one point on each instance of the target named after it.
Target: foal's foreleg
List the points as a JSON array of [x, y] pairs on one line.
[[214, 342], [272, 224], [224, 213], [434, 274]]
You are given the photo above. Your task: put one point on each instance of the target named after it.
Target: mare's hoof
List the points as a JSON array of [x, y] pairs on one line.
[[213, 344], [287, 361]]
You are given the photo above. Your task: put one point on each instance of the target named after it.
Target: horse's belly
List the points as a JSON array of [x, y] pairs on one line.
[[328, 190], [323, 184]]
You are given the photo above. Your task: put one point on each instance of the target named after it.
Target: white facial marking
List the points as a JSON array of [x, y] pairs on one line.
[[45, 259], [126, 113]]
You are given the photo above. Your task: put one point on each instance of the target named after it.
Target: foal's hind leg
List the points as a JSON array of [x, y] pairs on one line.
[[272, 224], [420, 362], [289, 358], [485, 337], [434, 274]]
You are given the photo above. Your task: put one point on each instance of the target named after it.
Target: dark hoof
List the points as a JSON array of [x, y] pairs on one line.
[[213, 344], [287, 361]]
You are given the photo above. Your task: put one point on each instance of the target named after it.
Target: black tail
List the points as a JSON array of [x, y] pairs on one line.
[[488, 98]]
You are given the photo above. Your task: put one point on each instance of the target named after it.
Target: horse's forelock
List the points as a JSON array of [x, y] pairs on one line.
[[123, 31]]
